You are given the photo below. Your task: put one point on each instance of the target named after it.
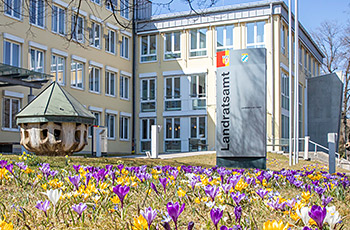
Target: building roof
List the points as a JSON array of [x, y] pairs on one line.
[[57, 105]]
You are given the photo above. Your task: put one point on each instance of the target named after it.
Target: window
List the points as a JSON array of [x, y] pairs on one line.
[[148, 48], [145, 134], [313, 68], [58, 68], [96, 1], [78, 28], [300, 110], [13, 8], [172, 45], [94, 79], [198, 42], [300, 56], [94, 35], [285, 131], [172, 135], [110, 41], [110, 123], [77, 74], [110, 83], [124, 128], [198, 92], [124, 8], [172, 94], [58, 20], [111, 5], [255, 34], [36, 60], [198, 131], [285, 91], [96, 122], [11, 107], [283, 42], [224, 38], [317, 70], [148, 95], [305, 60], [124, 47], [37, 12], [124, 87], [12, 53], [309, 69]]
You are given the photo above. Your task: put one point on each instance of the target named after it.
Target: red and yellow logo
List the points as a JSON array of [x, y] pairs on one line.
[[223, 58]]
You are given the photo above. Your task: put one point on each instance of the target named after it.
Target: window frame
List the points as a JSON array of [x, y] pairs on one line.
[[108, 43], [285, 92], [255, 44], [97, 122], [124, 47], [10, 128], [198, 40], [57, 14], [36, 19], [283, 41], [148, 99], [124, 12], [110, 84], [12, 43], [173, 98], [173, 53], [197, 97], [124, 92], [148, 131], [224, 35], [109, 131], [115, 5], [92, 33], [12, 9], [57, 71], [92, 69], [76, 62], [152, 56], [98, 2], [124, 132], [36, 51], [173, 138], [75, 35]]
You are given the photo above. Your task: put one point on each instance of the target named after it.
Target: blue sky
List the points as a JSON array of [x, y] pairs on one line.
[[311, 12]]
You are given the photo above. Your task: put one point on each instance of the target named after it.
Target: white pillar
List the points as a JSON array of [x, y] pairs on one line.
[[306, 148], [155, 129], [331, 151]]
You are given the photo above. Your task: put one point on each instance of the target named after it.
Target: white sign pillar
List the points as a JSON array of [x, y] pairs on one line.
[[332, 140], [155, 129], [306, 148]]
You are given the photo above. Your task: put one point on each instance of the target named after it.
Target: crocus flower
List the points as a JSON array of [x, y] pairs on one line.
[[76, 168], [307, 228], [274, 225], [79, 208], [166, 225], [75, 180], [9, 167], [174, 211], [262, 193], [216, 215], [226, 187], [149, 215], [238, 213], [211, 191], [154, 188], [163, 182], [53, 195], [332, 217], [303, 213], [237, 197], [190, 225], [43, 205], [318, 214], [326, 201], [121, 192], [3, 163]]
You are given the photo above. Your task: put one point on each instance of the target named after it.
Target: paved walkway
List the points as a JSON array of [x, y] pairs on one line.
[[171, 155]]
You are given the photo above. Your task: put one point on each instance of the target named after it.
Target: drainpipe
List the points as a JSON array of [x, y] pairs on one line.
[[134, 23], [272, 79]]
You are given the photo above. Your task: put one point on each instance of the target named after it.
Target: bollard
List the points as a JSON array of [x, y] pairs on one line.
[[306, 148], [331, 152], [155, 129]]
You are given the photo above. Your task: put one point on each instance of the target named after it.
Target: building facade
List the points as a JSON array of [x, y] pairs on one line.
[[174, 67]]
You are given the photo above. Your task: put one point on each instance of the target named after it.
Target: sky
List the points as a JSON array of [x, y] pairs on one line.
[[311, 12]]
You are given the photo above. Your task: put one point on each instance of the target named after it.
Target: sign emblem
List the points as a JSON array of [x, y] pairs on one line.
[[244, 57], [223, 58]]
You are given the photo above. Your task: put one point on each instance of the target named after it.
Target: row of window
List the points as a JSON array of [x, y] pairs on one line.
[[311, 66], [58, 68], [172, 132], [174, 94], [58, 25], [198, 41]]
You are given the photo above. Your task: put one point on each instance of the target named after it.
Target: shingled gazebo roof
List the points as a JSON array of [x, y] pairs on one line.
[[56, 105]]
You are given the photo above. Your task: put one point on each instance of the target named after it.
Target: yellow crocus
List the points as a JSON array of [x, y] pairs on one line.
[[181, 193], [115, 200], [3, 172], [5, 226], [274, 225], [140, 223], [197, 200], [44, 186]]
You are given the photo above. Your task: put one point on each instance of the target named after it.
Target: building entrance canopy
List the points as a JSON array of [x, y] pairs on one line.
[[12, 76]]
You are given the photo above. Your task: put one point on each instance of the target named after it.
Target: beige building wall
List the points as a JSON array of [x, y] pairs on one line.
[[51, 43]]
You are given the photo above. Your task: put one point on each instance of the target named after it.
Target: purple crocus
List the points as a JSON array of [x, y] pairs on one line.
[[3, 163], [43, 206], [121, 192], [226, 187], [237, 197], [76, 168], [154, 188], [190, 225], [21, 165], [211, 191], [326, 201], [163, 182], [318, 214], [216, 215], [307, 228], [75, 180], [238, 213], [79, 208], [149, 215], [262, 193], [174, 211], [319, 190], [9, 167]]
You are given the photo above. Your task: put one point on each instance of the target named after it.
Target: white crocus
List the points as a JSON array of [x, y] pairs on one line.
[[332, 217], [303, 213], [53, 195]]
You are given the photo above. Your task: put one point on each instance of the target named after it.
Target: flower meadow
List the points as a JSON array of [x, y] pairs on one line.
[[164, 197]]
